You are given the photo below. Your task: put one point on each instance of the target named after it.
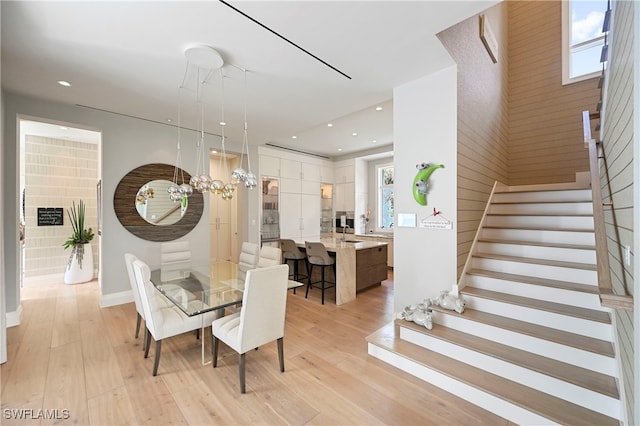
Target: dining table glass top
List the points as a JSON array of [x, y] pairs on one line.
[[197, 289]]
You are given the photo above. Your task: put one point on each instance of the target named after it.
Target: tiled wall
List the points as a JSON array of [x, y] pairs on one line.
[[57, 173]]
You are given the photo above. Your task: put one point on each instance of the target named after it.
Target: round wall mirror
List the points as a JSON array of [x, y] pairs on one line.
[[165, 222], [153, 204]]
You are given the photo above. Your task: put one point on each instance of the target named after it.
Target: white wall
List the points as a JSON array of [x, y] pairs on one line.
[[127, 144], [3, 319], [425, 130]]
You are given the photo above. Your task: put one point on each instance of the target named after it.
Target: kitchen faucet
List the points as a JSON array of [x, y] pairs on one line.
[[344, 228]]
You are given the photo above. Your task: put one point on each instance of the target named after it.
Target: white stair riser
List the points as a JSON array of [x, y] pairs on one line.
[[542, 208], [581, 195], [511, 412], [554, 320], [533, 379], [547, 222], [582, 276], [540, 292], [539, 236], [568, 354], [538, 252]]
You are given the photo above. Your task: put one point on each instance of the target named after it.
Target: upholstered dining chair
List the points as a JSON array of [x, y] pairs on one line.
[[260, 320], [269, 256], [163, 322], [128, 260], [175, 251], [317, 255], [248, 258]]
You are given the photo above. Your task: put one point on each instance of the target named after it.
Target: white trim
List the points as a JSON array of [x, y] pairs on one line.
[[14, 317], [114, 299]]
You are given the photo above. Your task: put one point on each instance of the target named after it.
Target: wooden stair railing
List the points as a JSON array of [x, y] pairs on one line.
[[607, 297]]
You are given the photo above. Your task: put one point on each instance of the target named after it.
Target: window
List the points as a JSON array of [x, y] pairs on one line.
[[582, 39], [385, 196]]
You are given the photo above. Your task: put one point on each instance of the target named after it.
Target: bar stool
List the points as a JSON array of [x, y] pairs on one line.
[[290, 251], [317, 255]]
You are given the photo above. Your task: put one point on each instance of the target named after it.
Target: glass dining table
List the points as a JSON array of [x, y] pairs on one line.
[[196, 289]]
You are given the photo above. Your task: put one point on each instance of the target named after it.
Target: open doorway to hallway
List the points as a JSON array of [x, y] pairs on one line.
[[59, 166]]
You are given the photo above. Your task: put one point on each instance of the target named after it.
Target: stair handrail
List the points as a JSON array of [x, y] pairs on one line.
[[472, 250], [607, 297]]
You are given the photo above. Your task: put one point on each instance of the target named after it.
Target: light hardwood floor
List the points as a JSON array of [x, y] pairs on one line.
[[69, 354]]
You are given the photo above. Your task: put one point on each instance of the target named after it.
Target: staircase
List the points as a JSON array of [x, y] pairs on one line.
[[534, 344]]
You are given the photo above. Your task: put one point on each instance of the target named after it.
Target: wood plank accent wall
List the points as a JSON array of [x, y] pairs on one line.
[[482, 119], [616, 173], [57, 173], [545, 129]]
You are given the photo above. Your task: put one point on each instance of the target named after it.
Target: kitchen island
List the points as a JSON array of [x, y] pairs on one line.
[[359, 264]]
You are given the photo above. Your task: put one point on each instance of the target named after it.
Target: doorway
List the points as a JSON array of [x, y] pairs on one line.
[[59, 166]]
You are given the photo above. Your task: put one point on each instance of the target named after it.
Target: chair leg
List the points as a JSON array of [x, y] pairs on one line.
[[214, 350], [281, 353], [241, 371], [138, 321], [295, 272], [323, 268], [156, 361], [147, 342], [308, 282], [197, 334]]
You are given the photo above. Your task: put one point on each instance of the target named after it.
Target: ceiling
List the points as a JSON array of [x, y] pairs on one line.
[[308, 63]]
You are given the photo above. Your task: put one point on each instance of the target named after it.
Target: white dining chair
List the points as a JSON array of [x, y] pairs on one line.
[[260, 320], [248, 258], [175, 251], [163, 322], [269, 256], [162, 301]]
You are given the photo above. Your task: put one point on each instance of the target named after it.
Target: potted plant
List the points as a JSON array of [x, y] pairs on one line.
[[80, 243]]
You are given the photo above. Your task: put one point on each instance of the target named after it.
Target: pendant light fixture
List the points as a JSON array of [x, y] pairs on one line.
[[218, 186], [239, 174]]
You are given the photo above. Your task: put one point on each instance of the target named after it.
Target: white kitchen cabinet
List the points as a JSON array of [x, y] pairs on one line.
[[344, 174], [220, 226], [290, 169], [269, 166], [299, 216], [345, 196]]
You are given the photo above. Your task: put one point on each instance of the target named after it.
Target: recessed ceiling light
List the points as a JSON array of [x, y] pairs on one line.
[[63, 128], [354, 134], [374, 141], [379, 108], [329, 124], [294, 137], [64, 83], [339, 149], [169, 120], [222, 123], [213, 151]]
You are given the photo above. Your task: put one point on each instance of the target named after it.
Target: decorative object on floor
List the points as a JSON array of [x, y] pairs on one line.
[[420, 314], [80, 264], [420, 182], [239, 174], [448, 301]]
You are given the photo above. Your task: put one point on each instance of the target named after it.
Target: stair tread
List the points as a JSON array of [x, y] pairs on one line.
[[566, 338], [567, 285], [539, 244], [539, 228], [588, 379], [547, 262], [545, 405], [559, 308]]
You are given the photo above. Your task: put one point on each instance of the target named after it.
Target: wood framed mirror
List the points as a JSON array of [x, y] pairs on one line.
[[127, 198]]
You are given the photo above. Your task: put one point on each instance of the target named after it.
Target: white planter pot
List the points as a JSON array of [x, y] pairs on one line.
[[77, 272]]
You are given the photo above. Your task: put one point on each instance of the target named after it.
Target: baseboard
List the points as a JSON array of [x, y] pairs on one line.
[[114, 299], [14, 317]]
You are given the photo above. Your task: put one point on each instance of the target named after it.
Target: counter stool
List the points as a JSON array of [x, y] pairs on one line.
[[317, 255], [290, 251]]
